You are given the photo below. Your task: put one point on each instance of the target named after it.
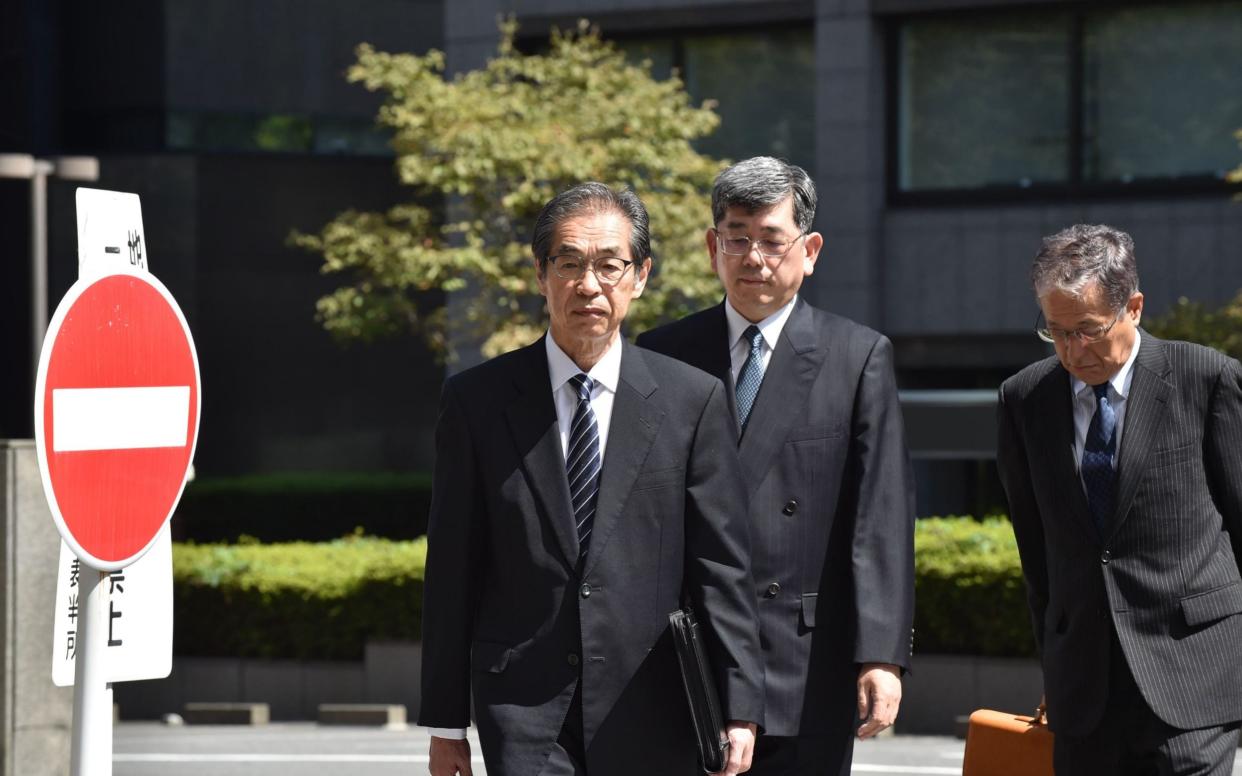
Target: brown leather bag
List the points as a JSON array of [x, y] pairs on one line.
[[1003, 744]]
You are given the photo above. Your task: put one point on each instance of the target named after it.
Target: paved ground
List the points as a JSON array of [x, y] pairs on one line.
[[305, 749]]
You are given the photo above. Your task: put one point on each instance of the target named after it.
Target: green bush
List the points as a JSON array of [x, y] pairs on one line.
[[296, 600], [326, 600], [311, 506], [969, 593]]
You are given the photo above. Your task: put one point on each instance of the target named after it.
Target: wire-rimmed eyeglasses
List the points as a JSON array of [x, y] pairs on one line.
[[608, 269], [1086, 335]]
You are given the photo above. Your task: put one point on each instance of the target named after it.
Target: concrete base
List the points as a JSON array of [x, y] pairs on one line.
[[226, 714], [942, 688], [389, 715], [35, 715], [293, 689]]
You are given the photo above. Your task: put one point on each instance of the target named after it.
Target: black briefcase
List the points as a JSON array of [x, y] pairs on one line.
[[700, 684]]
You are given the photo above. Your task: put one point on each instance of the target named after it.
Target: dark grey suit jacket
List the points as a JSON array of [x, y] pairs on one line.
[[1165, 575], [506, 612], [831, 508]]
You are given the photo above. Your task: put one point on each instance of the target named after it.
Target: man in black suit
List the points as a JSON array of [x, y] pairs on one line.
[[1122, 460], [822, 445], [583, 487]]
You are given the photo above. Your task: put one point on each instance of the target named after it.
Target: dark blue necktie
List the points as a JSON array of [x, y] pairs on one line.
[[1098, 476], [582, 461], [751, 376]]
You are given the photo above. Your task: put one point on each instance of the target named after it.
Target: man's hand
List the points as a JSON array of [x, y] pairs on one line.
[[741, 747], [879, 696], [449, 757]]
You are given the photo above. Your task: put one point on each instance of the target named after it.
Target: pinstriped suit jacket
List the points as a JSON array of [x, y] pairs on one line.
[[1165, 573], [831, 509]]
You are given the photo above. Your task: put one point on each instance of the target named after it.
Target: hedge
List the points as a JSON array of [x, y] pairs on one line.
[[968, 589], [303, 506], [297, 600], [326, 600]]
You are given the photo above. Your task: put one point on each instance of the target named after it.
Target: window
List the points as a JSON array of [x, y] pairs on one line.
[[763, 83], [277, 133], [1092, 98]]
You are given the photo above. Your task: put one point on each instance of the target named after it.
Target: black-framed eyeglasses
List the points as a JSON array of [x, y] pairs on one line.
[[608, 269], [741, 245], [1085, 336]]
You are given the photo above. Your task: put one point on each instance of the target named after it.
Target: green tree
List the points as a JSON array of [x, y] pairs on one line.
[[1195, 322], [482, 152]]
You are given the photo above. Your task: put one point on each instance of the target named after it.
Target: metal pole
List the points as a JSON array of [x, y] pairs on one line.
[[38, 255], [90, 753]]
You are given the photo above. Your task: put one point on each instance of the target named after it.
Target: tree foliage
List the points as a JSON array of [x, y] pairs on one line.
[[482, 152], [1220, 328]]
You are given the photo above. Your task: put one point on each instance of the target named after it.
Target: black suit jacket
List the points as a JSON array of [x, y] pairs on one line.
[[831, 508], [1165, 575], [507, 613]]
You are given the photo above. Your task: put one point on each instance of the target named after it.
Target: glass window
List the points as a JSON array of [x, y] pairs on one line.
[[1162, 91], [983, 102], [764, 87], [278, 133], [763, 83], [1099, 94]]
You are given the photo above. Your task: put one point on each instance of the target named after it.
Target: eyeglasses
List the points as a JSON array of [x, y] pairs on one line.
[[742, 245], [1085, 336], [608, 269]]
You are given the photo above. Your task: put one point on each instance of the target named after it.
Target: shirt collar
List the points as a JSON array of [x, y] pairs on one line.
[[1120, 381], [606, 372], [769, 327]]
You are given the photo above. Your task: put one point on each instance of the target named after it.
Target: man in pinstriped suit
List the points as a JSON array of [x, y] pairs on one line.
[[1122, 460], [831, 492]]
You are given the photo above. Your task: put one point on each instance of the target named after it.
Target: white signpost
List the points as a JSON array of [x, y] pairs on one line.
[[116, 422]]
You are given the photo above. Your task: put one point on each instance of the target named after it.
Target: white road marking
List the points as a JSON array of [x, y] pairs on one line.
[[248, 757]]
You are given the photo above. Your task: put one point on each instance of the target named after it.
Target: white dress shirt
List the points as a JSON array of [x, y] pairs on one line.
[[1083, 399], [606, 375], [770, 328]]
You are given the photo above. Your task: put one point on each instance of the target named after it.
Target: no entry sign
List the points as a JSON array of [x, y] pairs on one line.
[[116, 414]]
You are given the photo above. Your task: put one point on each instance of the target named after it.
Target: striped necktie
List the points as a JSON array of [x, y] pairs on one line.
[[582, 461], [751, 376], [1098, 476]]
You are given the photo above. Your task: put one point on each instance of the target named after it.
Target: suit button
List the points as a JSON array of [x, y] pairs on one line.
[[572, 659], [791, 506], [1106, 557], [585, 591], [774, 590]]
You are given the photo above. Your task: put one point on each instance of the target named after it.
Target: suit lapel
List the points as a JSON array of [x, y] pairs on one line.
[[1055, 426], [796, 360], [1145, 413], [532, 421], [708, 350], [635, 421]]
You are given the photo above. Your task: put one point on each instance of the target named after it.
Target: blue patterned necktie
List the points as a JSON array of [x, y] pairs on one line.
[[582, 461], [1098, 476], [751, 376]]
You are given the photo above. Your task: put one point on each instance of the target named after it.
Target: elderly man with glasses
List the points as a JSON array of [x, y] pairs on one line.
[[831, 512], [1122, 459], [584, 488]]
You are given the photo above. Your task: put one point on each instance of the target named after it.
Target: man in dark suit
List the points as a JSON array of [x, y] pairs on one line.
[[822, 445], [583, 487], [1122, 460]]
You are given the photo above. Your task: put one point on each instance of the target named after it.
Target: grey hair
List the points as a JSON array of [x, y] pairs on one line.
[[761, 182], [592, 197], [1073, 258]]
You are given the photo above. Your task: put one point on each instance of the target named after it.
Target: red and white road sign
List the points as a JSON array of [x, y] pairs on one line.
[[116, 415]]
